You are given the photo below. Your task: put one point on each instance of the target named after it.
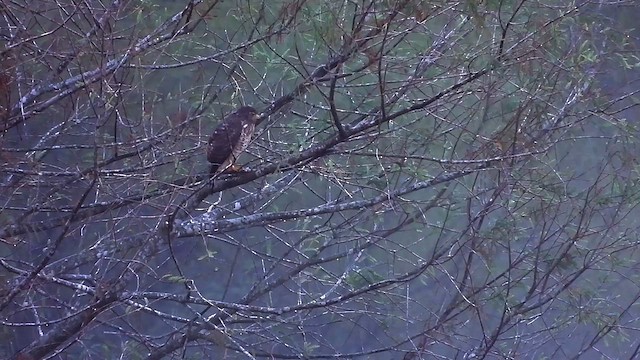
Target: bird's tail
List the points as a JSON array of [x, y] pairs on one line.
[[212, 173]]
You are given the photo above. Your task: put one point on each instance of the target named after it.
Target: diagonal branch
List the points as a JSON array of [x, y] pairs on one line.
[[203, 224]]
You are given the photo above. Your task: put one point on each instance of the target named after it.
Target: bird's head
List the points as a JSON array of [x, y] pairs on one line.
[[248, 113]]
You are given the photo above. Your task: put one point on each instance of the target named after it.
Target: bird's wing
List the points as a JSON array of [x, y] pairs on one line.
[[223, 139]]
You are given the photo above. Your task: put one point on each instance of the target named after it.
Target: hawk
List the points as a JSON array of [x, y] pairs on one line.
[[230, 139]]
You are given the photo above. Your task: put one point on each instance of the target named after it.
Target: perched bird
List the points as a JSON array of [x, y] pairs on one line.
[[230, 139]]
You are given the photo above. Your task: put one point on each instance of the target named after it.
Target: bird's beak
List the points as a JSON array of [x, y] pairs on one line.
[[256, 117]]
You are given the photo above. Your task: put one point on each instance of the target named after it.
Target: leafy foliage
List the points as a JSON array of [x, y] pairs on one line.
[[428, 179]]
